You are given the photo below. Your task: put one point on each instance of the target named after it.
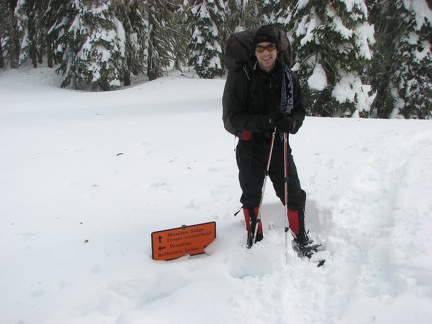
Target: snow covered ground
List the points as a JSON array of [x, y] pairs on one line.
[[85, 178]]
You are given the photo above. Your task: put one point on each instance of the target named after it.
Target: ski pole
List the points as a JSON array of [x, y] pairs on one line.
[[258, 216], [286, 179]]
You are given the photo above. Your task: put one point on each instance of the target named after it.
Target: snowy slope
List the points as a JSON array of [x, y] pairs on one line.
[[85, 178]]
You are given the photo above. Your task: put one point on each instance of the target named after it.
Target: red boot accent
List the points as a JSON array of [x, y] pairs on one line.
[[293, 218], [247, 215], [247, 220]]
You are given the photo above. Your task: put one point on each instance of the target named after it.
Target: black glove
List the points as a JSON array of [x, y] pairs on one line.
[[286, 125], [271, 120]]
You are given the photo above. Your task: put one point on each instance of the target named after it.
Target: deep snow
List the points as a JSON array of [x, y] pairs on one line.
[[87, 177]]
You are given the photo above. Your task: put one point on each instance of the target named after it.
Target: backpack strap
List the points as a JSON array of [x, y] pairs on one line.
[[245, 69]]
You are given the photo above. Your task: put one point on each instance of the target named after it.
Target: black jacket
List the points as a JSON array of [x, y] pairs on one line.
[[250, 94]]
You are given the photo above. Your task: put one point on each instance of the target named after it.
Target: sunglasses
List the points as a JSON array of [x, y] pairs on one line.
[[269, 47]]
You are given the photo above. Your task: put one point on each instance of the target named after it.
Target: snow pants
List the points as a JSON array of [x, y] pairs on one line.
[[252, 157]]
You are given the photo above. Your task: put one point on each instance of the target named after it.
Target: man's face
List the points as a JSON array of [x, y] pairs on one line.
[[266, 54]]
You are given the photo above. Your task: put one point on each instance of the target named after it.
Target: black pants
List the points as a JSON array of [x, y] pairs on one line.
[[252, 157]]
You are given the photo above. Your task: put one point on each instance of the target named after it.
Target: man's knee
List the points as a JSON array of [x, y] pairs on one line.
[[296, 199]]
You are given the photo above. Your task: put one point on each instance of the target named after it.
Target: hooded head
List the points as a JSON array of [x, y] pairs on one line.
[[266, 34]]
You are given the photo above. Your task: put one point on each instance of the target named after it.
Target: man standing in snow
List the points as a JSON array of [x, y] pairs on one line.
[[262, 96]]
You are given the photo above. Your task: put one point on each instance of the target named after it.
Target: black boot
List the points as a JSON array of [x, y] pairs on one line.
[[304, 246], [301, 238]]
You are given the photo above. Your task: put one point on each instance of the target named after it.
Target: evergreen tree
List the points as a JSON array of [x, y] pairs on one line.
[[5, 18], [58, 18], [160, 52], [96, 48], [402, 64], [29, 15], [132, 15], [207, 37], [180, 34], [331, 42], [103, 42], [242, 15], [276, 12], [9, 34]]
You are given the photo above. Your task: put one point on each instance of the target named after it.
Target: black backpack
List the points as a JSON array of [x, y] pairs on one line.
[[238, 49]]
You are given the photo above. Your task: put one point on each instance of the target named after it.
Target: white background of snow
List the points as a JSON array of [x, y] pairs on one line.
[[63, 181]]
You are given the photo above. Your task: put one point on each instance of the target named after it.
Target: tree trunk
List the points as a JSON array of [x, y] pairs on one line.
[[126, 78], [13, 46], [33, 54], [1, 55], [49, 55]]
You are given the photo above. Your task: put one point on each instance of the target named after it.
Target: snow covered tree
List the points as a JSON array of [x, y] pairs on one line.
[[180, 34], [207, 37], [401, 68], [159, 37], [12, 37], [331, 42], [5, 24], [96, 49], [29, 15], [242, 15], [58, 18], [132, 15], [276, 12]]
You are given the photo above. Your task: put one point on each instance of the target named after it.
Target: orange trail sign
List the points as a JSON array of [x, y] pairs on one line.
[[186, 240]]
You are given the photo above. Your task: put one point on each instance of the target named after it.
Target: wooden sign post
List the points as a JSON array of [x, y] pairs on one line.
[[186, 240]]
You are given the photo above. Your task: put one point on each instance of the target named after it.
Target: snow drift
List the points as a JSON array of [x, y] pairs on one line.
[[87, 177]]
